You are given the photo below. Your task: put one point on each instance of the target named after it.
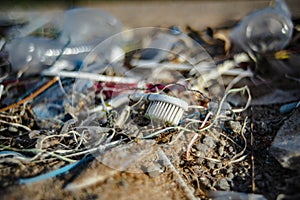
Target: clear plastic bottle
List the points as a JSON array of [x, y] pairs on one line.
[[269, 29], [81, 30], [30, 54]]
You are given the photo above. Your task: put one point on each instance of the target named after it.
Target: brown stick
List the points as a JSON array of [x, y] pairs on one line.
[[32, 96]]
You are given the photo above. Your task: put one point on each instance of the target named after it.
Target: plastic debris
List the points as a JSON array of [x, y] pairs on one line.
[[162, 107], [29, 54], [288, 107], [54, 173], [269, 29]]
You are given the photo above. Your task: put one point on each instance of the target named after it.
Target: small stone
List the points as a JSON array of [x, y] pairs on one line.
[[154, 174], [203, 148], [12, 129], [199, 161], [219, 165], [154, 170], [223, 184], [205, 181], [235, 126], [209, 141], [163, 163], [229, 169], [210, 164], [230, 175], [223, 142], [200, 154], [214, 172], [221, 150]]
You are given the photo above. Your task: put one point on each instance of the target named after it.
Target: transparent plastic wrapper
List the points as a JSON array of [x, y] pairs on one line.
[[80, 31], [269, 29]]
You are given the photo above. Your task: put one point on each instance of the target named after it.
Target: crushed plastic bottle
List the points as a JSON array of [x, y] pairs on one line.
[[265, 30], [31, 53], [81, 30]]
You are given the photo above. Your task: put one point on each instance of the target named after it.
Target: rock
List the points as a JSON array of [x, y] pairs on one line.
[[209, 141], [221, 150], [229, 169], [230, 176], [235, 126], [12, 129], [219, 165], [230, 149], [199, 161], [154, 174], [154, 170], [286, 145], [223, 184], [210, 164], [205, 181], [203, 148]]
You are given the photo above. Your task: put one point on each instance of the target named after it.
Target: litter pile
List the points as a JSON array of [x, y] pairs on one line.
[[144, 100]]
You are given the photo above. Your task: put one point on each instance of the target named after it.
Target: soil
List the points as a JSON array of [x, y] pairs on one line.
[[270, 179]]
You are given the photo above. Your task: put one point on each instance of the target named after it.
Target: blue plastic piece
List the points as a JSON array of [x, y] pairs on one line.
[[288, 107], [54, 173]]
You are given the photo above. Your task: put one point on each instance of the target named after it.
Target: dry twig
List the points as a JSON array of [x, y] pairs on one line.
[[32, 96]]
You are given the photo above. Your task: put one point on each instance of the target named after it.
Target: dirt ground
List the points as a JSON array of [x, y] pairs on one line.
[[270, 178]]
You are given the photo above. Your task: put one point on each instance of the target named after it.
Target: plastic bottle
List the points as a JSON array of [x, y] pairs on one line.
[[81, 30], [269, 29], [32, 53]]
